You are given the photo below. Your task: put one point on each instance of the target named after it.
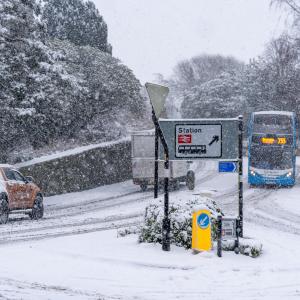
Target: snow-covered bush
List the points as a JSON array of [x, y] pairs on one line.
[[181, 226], [247, 247], [128, 230], [181, 221]]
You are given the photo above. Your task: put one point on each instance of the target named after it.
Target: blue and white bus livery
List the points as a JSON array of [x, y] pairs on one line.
[[272, 148]]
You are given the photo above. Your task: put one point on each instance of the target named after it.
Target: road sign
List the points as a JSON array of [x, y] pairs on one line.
[[201, 230], [198, 140], [227, 166], [203, 220], [201, 138], [157, 94], [228, 228]]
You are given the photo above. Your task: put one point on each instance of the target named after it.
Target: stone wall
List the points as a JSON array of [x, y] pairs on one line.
[[85, 170]]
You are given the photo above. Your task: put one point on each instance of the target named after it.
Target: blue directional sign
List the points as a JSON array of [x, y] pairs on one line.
[[203, 220], [227, 166]]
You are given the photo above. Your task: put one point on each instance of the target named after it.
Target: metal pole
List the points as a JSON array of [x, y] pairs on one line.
[[156, 162], [219, 233], [166, 225], [240, 177]]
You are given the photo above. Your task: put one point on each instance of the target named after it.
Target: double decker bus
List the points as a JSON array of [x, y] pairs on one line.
[[272, 148]]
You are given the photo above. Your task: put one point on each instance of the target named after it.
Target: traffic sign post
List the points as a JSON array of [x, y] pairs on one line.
[[156, 158], [193, 139], [219, 235], [240, 177], [158, 95]]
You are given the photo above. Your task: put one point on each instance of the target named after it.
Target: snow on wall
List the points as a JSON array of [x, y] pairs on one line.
[[82, 168]]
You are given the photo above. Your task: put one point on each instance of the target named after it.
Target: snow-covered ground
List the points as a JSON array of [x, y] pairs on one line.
[[74, 252]]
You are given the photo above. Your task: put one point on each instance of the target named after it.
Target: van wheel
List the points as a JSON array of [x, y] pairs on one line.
[[143, 186], [4, 210], [190, 180], [176, 185], [38, 208]]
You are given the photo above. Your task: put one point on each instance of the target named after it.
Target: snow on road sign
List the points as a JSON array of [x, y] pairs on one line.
[[198, 140]]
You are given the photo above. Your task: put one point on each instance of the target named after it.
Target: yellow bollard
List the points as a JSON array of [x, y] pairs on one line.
[[201, 230]]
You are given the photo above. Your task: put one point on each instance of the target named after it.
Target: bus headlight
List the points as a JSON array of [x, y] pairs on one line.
[[289, 174], [252, 173]]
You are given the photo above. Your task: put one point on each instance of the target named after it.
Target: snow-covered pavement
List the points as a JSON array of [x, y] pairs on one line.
[[99, 265]]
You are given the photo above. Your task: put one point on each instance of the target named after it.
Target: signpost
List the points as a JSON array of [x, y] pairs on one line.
[[158, 95], [192, 139], [240, 177]]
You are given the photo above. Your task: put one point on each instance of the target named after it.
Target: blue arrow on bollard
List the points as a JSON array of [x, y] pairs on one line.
[[227, 166]]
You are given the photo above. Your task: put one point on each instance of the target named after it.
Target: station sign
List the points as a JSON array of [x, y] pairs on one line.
[[190, 139], [198, 140]]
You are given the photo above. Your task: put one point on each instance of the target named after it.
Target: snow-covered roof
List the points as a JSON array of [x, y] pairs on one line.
[[273, 112]]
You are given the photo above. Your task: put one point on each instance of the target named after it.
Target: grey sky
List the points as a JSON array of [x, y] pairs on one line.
[[151, 36]]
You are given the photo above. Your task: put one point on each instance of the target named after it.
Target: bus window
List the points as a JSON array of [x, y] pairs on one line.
[[272, 124]]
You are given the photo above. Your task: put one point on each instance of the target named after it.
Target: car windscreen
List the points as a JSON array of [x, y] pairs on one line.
[[271, 158], [9, 173], [272, 124]]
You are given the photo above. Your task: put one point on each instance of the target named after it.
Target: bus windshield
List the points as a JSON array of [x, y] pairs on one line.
[[268, 123], [271, 158]]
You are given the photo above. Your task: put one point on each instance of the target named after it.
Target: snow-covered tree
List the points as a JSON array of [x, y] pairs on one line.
[[52, 89], [219, 97], [271, 82], [77, 21], [191, 80], [113, 103]]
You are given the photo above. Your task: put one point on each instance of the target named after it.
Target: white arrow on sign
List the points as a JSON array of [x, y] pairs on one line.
[[157, 94]]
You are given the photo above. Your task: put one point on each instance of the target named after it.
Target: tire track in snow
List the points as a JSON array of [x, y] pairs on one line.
[[62, 225], [266, 212]]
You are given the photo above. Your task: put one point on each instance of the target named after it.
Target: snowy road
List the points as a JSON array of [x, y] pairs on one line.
[[73, 253]]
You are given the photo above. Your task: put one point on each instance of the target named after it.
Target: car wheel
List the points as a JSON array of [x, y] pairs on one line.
[[190, 180], [38, 208], [4, 210]]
